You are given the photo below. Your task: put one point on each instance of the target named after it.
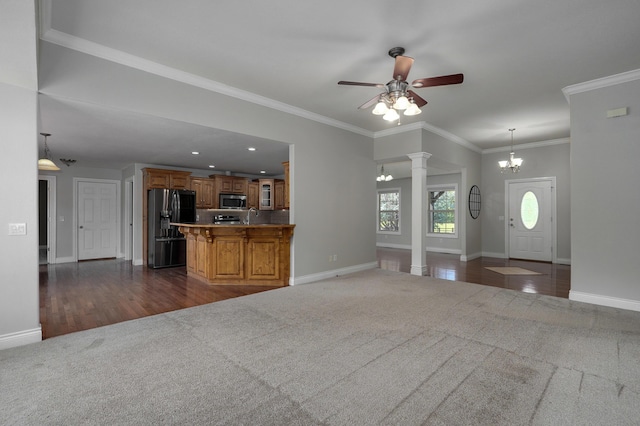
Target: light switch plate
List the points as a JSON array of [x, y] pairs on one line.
[[17, 229]]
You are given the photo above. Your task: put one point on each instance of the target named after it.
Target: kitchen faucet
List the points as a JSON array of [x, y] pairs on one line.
[[249, 214]]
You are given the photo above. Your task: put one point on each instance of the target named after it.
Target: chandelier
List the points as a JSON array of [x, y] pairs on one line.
[[396, 99], [513, 164], [383, 177], [46, 163]]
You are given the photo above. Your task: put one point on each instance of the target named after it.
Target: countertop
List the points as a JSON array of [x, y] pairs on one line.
[[252, 225]]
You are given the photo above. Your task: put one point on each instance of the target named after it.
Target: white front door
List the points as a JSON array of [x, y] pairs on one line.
[[530, 220], [97, 220]]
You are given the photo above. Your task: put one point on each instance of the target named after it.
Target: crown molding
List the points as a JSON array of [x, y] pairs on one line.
[[600, 83], [119, 57], [422, 125], [528, 145]]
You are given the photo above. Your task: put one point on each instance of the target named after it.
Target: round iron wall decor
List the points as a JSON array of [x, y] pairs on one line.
[[474, 202]]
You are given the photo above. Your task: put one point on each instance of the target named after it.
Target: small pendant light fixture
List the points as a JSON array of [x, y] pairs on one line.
[[46, 163], [383, 177], [513, 164]]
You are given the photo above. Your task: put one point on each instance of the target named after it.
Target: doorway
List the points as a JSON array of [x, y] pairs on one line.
[[46, 219], [97, 218], [530, 229]]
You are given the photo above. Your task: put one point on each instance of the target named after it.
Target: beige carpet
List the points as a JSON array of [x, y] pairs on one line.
[[371, 348], [511, 270]]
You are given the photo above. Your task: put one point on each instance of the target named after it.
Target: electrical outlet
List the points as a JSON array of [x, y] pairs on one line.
[[335, 257], [17, 229]]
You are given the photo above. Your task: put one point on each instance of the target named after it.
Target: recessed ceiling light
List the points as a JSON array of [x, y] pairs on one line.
[[195, 152], [262, 171], [251, 148], [211, 166]]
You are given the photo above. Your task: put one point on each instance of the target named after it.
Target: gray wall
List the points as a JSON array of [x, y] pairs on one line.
[[403, 240], [605, 236], [19, 295], [539, 161], [64, 203], [445, 155], [331, 169]]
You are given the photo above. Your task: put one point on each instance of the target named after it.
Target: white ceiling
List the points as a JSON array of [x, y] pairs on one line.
[[516, 56]]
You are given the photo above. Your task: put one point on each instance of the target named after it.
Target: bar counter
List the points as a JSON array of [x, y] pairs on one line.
[[238, 254]]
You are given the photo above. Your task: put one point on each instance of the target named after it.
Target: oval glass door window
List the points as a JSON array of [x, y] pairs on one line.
[[529, 210]]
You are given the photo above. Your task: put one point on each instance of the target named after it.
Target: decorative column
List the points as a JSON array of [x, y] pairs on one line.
[[419, 212]]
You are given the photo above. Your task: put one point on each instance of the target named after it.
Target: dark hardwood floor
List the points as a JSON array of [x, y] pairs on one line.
[[554, 279], [89, 294], [84, 295]]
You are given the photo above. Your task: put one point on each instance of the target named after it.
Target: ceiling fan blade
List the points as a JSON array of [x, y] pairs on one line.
[[370, 102], [417, 99], [356, 83], [403, 65], [438, 81]]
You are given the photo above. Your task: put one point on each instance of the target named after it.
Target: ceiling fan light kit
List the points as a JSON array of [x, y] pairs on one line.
[[398, 95]]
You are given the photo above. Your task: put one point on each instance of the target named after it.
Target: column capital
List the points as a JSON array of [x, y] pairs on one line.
[[419, 155]]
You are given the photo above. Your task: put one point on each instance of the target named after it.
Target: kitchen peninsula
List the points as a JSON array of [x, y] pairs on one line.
[[238, 254]]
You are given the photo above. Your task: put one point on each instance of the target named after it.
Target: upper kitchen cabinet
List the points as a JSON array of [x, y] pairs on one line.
[[253, 195], [205, 191], [286, 184], [230, 184], [165, 179], [266, 194]]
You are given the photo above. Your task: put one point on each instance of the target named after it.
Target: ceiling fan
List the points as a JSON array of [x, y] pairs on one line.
[[398, 94]]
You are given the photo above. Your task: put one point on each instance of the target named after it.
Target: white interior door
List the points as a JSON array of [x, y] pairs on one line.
[[530, 220], [97, 220]]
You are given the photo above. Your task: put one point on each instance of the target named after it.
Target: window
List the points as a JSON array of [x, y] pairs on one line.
[[443, 210], [389, 211]]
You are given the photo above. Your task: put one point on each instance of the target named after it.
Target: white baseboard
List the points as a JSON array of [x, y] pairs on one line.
[[395, 246], [598, 299], [468, 257], [69, 259], [137, 262], [491, 254], [563, 261], [305, 279], [21, 338]]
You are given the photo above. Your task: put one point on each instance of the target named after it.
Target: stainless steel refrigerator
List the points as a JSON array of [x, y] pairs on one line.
[[167, 246]]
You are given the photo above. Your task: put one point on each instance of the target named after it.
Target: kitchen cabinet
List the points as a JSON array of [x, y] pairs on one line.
[[231, 184], [285, 165], [279, 196], [253, 196], [266, 194], [239, 254], [205, 189], [166, 179]]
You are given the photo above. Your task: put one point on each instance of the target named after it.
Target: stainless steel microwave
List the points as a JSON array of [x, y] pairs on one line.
[[233, 201]]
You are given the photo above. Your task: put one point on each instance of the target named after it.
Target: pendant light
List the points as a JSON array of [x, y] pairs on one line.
[[46, 163], [383, 177], [513, 164]]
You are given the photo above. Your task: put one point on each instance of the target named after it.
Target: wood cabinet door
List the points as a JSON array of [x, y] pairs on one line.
[[208, 189], [158, 180], [179, 181], [263, 258], [192, 253], [240, 185], [278, 189], [286, 184], [229, 257], [225, 184], [253, 198], [266, 194], [196, 185], [202, 257]]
